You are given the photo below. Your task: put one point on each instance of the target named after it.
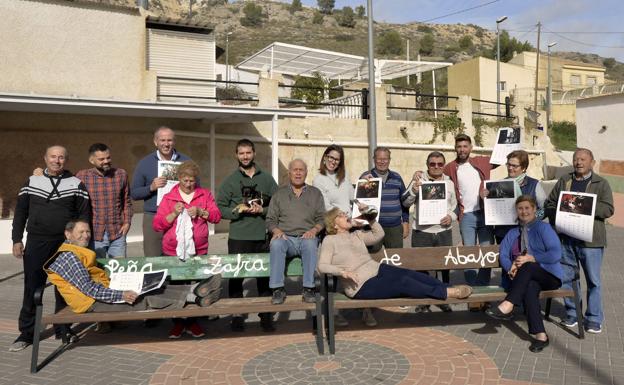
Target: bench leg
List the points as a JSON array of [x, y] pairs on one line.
[[36, 338], [579, 310], [319, 325], [331, 330], [547, 309]]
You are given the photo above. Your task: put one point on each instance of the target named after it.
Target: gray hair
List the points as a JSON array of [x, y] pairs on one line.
[[297, 160]]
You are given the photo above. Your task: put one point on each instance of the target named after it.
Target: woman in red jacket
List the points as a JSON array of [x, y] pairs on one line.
[[183, 216]]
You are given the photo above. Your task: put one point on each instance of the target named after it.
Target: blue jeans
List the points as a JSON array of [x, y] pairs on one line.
[[110, 249], [590, 259], [290, 247], [471, 227]]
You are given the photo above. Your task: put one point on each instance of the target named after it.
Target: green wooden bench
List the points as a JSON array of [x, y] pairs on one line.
[[197, 268], [435, 258]]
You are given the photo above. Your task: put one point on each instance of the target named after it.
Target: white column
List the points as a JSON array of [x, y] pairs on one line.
[[274, 149], [435, 100]]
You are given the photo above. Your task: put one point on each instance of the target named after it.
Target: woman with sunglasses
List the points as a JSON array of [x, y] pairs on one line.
[[517, 165]]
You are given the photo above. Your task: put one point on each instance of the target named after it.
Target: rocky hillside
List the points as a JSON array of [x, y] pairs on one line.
[[451, 42]]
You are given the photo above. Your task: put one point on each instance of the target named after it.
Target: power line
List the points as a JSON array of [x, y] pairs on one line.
[[460, 11], [583, 43], [572, 32]]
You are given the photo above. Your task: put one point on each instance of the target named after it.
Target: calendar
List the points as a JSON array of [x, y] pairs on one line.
[[138, 282], [500, 204], [508, 140], [432, 205], [367, 191], [575, 214]]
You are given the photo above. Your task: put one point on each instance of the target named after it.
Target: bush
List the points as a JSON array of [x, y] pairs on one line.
[[295, 6], [314, 95], [609, 62], [346, 18], [344, 37], [390, 43], [465, 43], [360, 11], [426, 44], [425, 29], [326, 6], [317, 18], [253, 15], [563, 135]]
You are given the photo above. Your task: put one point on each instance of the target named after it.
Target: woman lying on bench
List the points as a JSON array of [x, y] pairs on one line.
[[530, 255], [344, 254]]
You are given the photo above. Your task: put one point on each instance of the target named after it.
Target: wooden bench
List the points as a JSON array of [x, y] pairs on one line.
[[435, 258], [228, 265]]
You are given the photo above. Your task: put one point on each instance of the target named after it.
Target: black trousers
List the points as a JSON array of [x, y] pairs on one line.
[[530, 280], [235, 285], [36, 253], [393, 282], [424, 239]]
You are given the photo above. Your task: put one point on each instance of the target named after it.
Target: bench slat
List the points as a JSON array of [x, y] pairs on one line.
[[222, 307], [200, 267], [440, 258]]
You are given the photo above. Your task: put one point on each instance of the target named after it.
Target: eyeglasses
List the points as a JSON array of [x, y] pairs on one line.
[[332, 159], [513, 165], [436, 164]]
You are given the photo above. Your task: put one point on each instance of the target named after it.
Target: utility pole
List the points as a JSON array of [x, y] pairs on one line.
[[372, 106], [539, 29], [408, 76]]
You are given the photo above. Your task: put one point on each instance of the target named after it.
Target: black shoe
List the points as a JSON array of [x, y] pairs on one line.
[[422, 309], [445, 308], [537, 345], [279, 296], [495, 313], [237, 324], [266, 322], [68, 338], [309, 296]]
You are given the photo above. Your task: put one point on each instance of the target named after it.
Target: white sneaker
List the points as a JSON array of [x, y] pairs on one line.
[[340, 320], [368, 318], [18, 346]]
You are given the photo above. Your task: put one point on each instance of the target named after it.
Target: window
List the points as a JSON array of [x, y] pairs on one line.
[[591, 81], [503, 86], [575, 80]]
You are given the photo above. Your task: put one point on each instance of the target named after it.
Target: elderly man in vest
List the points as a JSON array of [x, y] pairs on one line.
[[84, 286]]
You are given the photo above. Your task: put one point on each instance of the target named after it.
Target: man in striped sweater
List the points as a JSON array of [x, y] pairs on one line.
[[393, 217], [47, 202]]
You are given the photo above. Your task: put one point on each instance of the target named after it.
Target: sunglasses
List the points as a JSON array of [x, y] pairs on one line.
[[436, 164]]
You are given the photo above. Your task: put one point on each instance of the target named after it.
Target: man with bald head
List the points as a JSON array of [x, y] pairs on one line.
[[295, 218], [146, 182], [575, 251], [47, 202]]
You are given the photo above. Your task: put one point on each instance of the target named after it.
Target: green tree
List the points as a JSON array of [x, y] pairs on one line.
[[295, 6], [326, 6], [465, 43], [360, 11], [315, 96], [426, 44], [253, 15], [609, 62], [346, 18], [390, 43], [317, 18], [508, 46]]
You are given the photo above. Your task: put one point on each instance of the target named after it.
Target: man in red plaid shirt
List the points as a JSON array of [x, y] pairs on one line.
[[110, 201]]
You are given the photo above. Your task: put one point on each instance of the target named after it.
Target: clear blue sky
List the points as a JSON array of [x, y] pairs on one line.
[[556, 16]]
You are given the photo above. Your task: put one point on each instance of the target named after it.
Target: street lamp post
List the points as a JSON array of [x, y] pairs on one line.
[[549, 90], [498, 21], [227, 58], [372, 106]]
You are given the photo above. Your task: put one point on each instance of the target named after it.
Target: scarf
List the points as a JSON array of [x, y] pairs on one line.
[[184, 236], [524, 235]]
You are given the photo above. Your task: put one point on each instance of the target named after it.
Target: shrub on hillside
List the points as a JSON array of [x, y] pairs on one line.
[[360, 11], [326, 6], [390, 43], [426, 44], [317, 18], [346, 18], [253, 15], [295, 6]]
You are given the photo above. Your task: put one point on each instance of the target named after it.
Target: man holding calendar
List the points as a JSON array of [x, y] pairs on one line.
[[575, 251]]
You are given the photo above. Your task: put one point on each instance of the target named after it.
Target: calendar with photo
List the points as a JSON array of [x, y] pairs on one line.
[[575, 214], [368, 192], [138, 281], [432, 205], [500, 203], [169, 170], [508, 140]]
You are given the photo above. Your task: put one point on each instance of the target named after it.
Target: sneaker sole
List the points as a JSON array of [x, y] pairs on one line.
[[174, 337], [569, 325], [195, 335], [593, 331], [208, 286]]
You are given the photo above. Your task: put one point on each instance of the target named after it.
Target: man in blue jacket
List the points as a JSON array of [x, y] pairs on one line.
[[146, 182]]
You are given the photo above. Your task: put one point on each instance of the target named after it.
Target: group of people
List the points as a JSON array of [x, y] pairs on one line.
[[71, 219]]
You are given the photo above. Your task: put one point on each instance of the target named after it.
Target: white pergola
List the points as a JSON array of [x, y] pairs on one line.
[[296, 60]]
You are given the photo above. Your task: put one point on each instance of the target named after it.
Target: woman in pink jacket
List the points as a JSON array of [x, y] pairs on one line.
[[183, 216]]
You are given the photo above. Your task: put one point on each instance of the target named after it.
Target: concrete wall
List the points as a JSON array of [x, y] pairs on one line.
[[563, 112], [60, 48], [594, 113]]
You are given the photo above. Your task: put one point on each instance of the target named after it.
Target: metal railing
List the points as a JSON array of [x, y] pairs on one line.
[[416, 105], [488, 108], [570, 96]]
